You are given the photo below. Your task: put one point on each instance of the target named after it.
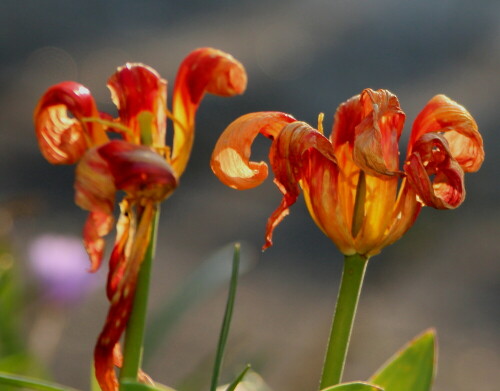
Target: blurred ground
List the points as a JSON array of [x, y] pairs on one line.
[[302, 58]]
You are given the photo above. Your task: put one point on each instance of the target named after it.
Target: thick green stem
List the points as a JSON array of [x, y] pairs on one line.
[[134, 336], [345, 310]]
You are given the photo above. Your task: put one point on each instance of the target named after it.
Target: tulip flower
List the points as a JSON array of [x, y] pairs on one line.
[[71, 130], [354, 188]]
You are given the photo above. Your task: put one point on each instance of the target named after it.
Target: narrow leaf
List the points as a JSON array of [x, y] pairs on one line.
[[129, 384], [354, 386], [251, 382], [30, 383], [203, 281], [226, 322], [412, 368], [240, 377]]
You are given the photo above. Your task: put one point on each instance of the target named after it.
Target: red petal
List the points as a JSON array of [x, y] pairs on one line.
[[63, 139], [431, 157], [231, 156], [137, 88], [443, 115], [119, 253], [376, 141], [203, 70], [121, 304], [292, 152], [95, 192], [117, 165], [97, 226], [371, 124], [138, 170]]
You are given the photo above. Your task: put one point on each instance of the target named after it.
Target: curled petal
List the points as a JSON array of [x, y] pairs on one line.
[[121, 303], [295, 156], [231, 156], [443, 115], [138, 170], [63, 139], [135, 89], [376, 137], [117, 165], [434, 174], [366, 131], [203, 70]]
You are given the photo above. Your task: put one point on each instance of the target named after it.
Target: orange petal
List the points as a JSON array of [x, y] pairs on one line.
[[430, 157], [376, 137], [366, 131], [231, 156], [117, 165], [121, 304], [443, 115], [63, 139], [137, 88], [405, 213], [118, 361], [97, 226], [95, 192], [203, 70], [291, 154], [124, 230]]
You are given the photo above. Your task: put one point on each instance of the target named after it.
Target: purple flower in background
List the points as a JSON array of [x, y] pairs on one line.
[[61, 264]]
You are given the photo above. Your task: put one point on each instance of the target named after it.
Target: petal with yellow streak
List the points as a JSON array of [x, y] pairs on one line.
[[405, 213], [377, 135], [443, 115], [117, 165], [137, 88], [95, 192], [203, 70], [125, 228], [62, 138], [230, 160], [434, 174], [297, 155], [121, 303]]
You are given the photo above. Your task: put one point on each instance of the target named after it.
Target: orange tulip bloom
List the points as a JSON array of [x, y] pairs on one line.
[[140, 164], [352, 183]]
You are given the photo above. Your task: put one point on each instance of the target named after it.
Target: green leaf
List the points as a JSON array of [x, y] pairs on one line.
[[238, 379], [252, 382], [412, 368], [226, 322], [354, 386], [30, 383], [134, 385], [22, 364], [211, 275]]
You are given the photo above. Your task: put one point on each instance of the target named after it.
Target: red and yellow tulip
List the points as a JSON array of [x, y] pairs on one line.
[[71, 130], [352, 182]]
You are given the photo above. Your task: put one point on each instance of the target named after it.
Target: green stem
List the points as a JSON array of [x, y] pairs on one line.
[[345, 310], [134, 336]]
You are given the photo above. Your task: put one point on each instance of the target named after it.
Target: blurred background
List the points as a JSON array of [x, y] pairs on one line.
[[302, 58]]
